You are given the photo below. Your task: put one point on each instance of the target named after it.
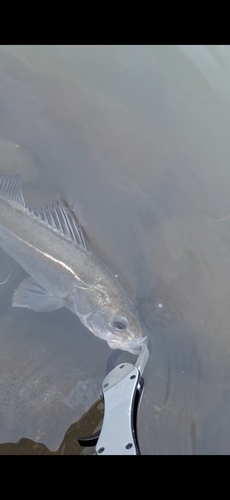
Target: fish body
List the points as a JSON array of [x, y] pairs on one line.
[[49, 245]]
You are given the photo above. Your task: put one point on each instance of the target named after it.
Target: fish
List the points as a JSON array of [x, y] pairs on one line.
[[49, 244]]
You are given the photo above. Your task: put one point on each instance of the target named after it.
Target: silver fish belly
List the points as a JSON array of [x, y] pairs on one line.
[[49, 245]]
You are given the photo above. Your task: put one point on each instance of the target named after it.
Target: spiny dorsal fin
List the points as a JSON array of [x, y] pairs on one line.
[[62, 219], [58, 216], [10, 188]]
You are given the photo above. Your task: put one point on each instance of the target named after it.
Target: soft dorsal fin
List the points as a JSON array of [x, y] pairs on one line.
[[62, 219], [10, 188]]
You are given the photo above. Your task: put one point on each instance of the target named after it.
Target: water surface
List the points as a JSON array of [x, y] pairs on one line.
[[136, 138]]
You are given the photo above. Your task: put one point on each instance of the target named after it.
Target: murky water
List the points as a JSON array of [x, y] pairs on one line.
[[136, 138]]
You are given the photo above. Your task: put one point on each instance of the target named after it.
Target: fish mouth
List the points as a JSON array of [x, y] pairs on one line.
[[136, 348], [132, 346]]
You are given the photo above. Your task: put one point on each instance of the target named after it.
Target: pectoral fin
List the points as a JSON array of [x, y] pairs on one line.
[[34, 296]]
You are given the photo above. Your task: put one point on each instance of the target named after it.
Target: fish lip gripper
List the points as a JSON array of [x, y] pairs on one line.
[[122, 390]]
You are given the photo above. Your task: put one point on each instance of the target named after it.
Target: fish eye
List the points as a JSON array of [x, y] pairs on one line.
[[119, 324]]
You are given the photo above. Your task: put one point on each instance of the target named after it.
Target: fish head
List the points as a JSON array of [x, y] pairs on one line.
[[119, 326], [125, 332]]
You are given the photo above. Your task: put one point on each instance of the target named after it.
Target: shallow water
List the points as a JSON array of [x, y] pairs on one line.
[[136, 138]]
